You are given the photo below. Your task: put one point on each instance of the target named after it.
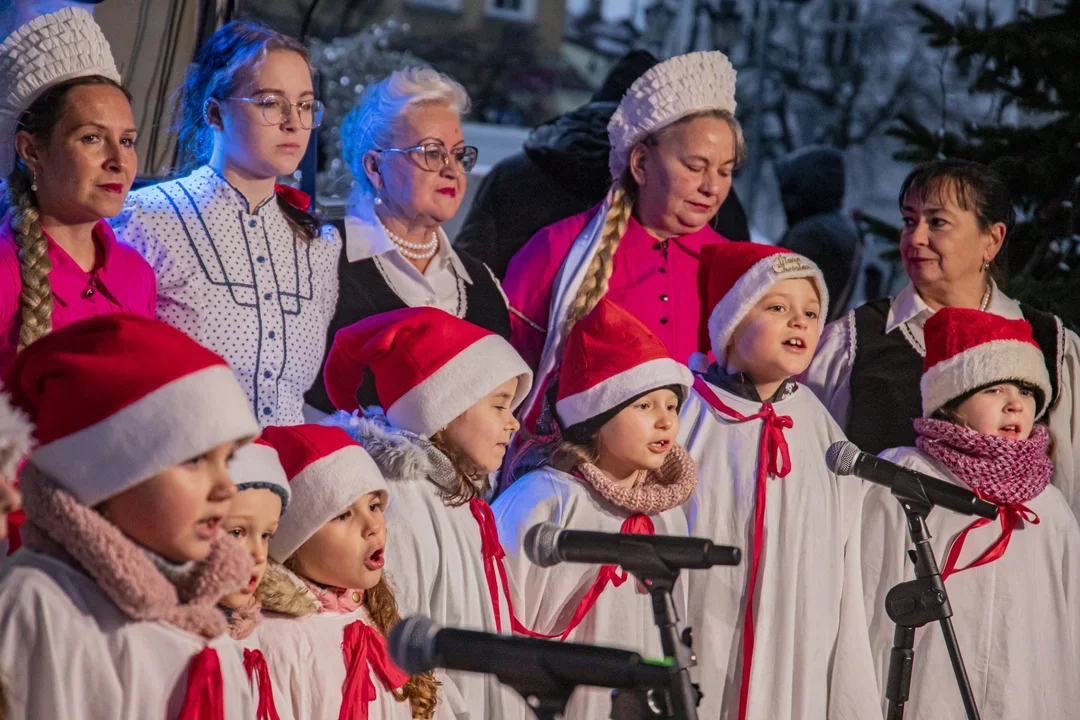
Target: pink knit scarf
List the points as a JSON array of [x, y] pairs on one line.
[[1001, 470], [657, 491]]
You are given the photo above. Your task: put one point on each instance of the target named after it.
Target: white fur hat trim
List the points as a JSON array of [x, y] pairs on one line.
[[666, 93], [50, 49], [983, 365]]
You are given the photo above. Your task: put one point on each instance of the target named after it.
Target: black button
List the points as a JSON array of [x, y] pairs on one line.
[[267, 411], [267, 296], [273, 334], [88, 292], [253, 223], [663, 321], [663, 270], [260, 259], [656, 246], [267, 374], [663, 297]]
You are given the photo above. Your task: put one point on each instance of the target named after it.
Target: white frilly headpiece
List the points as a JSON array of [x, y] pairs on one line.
[[666, 93], [47, 50]]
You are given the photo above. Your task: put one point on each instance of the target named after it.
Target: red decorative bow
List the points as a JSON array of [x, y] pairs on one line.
[[773, 447], [364, 649], [259, 676], [297, 198], [1010, 516], [204, 697]]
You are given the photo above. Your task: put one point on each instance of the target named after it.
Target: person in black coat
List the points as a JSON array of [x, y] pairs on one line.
[[562, 171], [812, 191]]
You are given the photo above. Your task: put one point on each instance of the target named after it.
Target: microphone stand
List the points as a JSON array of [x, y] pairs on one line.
[[915, 603], [659, 580]]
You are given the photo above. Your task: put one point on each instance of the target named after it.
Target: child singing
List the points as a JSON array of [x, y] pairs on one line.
[[784, 634], [448, 389], [1014, 583], [611, 466], [328, 605], [110, 608]]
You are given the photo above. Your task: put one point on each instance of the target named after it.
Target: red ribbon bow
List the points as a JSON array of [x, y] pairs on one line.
[[204, 697], [773, 447], [364, 649], [259, 675], [295, 197], [1010, 516]]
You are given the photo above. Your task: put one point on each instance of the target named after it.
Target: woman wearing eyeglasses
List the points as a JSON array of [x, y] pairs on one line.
[[403, 144], [241, 265]]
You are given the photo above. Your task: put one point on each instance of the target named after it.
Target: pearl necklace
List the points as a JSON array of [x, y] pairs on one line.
[[413, 251]]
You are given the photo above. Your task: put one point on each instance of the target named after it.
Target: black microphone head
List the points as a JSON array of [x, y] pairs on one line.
[[412, 644], [841, 457], [541, 546]]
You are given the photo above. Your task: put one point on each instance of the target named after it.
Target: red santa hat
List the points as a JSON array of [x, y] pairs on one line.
[[970, 349], [429, 366], [735, 276], [611, 359], [256, 466], [118, 399], [328, 471]]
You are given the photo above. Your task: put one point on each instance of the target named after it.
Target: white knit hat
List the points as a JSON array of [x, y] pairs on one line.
[[48, 50], [328, 471], [666, 93], [256, 466]]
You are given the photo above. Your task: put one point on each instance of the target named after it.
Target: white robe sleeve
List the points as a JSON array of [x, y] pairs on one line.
[[829, 374], [531, 500], [54, 662], [1070, 573], [1065, 425]]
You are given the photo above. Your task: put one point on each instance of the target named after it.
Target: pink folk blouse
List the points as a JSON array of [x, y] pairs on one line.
[[121, 281]]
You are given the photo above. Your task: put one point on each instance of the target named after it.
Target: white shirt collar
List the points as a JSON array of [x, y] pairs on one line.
[[365, 238], [909, 307]]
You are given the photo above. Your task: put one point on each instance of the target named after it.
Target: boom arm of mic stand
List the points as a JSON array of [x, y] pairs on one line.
[[915, 603]]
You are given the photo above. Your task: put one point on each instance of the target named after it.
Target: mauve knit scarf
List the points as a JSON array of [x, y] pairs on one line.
[[1001, 470]]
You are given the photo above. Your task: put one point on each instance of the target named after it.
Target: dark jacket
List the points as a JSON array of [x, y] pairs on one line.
[[812, 190], [562, 171]]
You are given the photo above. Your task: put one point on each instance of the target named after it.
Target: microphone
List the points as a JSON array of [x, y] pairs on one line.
[[547, 545], [417, 644], [845, 458]]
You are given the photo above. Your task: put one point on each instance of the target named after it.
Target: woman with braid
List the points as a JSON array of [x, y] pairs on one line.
[[67, 149], [674, 145]]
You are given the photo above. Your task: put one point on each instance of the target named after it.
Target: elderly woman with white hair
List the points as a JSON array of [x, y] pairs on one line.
[[404, 145]]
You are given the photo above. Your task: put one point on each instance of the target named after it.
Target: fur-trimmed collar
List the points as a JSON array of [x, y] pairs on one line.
[[283, 592], [400, 454], [59, 526]]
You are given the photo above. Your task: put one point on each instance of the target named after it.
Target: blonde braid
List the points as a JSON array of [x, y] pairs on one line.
[[595, 284], [36, 298], [421, 690]]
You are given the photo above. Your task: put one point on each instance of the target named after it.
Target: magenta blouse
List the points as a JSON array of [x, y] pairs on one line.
[[121, 281]]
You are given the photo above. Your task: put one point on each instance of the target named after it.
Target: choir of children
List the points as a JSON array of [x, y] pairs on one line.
[[176, 564]]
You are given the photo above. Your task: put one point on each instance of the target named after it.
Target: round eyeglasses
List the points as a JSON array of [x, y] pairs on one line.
[[276, 110], [433, 157]]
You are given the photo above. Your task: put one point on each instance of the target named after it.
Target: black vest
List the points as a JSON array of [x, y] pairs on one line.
[[887, 372], [363, 292]]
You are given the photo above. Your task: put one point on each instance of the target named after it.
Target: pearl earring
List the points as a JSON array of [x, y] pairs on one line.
[[378, 200], [33, 183], [986, 267]]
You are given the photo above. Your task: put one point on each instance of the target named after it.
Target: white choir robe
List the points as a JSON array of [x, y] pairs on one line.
[[435, 565], [1017, 619], [251, 642], [307, 666], [812, 652], [545, 598], [67, 651]]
